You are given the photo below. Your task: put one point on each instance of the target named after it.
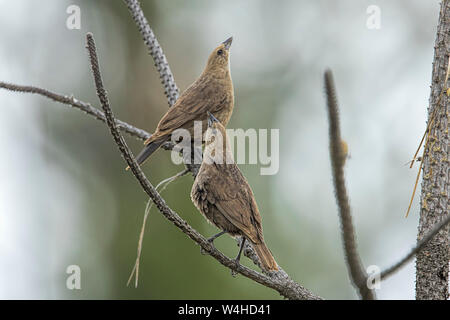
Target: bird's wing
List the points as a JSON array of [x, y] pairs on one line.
[[192, 105], [234, 199], [174, 119]]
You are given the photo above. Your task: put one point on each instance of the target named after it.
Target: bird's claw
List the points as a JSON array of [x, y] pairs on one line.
[[234, 272], [211, 242]]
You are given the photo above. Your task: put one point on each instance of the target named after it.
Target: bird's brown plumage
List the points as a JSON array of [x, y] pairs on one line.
[[212, 91], [224, 197]]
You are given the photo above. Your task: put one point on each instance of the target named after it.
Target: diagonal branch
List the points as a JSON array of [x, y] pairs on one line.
[[279, 281], [354, 264], [419, 246], [83, 106]]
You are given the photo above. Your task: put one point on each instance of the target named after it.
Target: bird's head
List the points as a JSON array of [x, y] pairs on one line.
[[214, 128], [219, 59]]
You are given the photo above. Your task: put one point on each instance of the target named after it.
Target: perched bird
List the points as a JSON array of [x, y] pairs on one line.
[[224, 197], [212, 91]]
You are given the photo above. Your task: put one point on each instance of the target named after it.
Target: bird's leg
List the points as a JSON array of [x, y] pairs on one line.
[[238, 258], [211, 240], [214, 237]]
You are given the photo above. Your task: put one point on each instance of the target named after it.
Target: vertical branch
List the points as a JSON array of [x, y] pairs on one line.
[[432, 263], [354, 265], [155, 50]]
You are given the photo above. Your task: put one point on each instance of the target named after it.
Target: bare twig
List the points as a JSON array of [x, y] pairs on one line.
[[354, 264], [279, 280], [135, 270], [163, 184], [427, 135], [83, 106], [155, 50], [415, 186], [430, 122], [419, 246]]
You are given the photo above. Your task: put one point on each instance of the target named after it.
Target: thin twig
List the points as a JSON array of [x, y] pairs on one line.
[[279, 281], [414, 188], [425, 148], [354, 264], [427, 134], [155, 50], [135, 270], [83, 106], [419, 246], [430, 122], [164, 183]]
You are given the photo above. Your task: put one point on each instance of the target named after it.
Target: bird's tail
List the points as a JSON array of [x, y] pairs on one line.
[[149, 148], [264, 254]]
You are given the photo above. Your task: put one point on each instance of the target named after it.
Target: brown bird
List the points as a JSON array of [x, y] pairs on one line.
[[212, 91], [224, 197]]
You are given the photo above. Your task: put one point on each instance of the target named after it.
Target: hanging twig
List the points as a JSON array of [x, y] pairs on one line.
[[163, 184]]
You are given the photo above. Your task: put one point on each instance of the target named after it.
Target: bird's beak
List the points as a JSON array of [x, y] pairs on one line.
[[227, 43], [211, 119]]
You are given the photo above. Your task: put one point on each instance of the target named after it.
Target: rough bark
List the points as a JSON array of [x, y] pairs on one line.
[[432, 264]]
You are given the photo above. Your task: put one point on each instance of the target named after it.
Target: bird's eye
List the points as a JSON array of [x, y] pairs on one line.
[[219, 52]]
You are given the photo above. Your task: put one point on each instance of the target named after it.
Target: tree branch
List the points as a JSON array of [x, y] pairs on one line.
[[432, 263], [354, 264], [419, 246], [83, 106], [279, 281]]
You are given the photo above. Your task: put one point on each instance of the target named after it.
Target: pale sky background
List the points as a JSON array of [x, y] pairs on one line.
[[279, 53]]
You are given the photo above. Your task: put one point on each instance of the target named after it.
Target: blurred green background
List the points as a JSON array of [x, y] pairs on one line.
[[64, 195]]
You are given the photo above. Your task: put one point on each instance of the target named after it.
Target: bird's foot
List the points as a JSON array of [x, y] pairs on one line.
[[211, 242], [238, 258], [237, 264]]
